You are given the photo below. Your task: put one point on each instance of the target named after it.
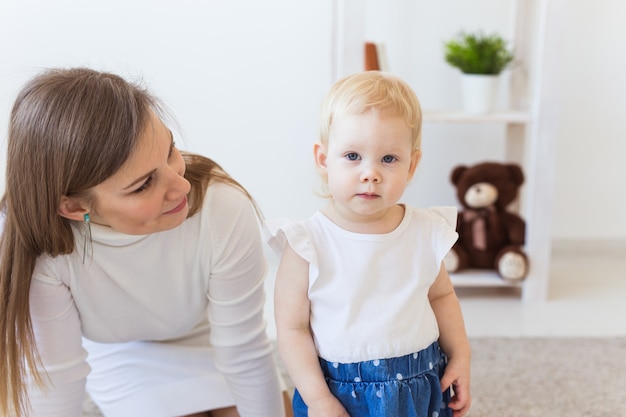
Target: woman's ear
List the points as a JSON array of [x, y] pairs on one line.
[[72, 209]]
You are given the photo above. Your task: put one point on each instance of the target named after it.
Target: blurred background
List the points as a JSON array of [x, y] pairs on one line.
[[245, 79]]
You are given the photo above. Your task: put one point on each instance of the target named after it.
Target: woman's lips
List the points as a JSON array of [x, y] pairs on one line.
[[178, 207]]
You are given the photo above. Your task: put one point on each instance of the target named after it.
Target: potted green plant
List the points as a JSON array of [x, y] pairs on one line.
[[480, 58]]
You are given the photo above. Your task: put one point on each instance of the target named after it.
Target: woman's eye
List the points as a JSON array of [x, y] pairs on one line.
[[144, 186], [388, 159], [352, 156]]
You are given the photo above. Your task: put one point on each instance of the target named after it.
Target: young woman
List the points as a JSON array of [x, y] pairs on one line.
[[126, 266]]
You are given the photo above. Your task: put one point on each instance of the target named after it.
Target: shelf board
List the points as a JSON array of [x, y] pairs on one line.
[[451, 116], [479, 278]]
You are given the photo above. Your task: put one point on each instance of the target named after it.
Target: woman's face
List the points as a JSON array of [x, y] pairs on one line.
[[149, 193]]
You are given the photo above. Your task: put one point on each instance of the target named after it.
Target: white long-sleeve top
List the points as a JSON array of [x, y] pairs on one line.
[[368, 293], [161, 289]]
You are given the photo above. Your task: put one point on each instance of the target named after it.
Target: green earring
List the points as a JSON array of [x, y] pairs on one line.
[[87, 242]]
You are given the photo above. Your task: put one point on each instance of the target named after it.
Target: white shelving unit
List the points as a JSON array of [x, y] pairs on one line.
[[517, 122], [446, 116], [478, 278], [530, 138], [530, 123]]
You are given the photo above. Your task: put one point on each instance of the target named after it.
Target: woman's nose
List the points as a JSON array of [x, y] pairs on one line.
[[178, 188], [178, 184]]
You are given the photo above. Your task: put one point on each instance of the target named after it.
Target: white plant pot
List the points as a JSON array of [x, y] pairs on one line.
[[479, 92]]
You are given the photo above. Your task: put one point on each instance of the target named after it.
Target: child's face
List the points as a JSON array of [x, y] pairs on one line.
[[368, 162]]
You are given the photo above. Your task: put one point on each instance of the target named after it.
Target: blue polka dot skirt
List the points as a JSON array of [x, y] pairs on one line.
[[407, 386]]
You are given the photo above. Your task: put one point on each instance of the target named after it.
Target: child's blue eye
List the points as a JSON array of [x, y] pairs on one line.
[[388, 159], [352, 156]]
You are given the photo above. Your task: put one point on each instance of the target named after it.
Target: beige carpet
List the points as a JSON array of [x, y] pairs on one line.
[[556, 377], [541, 377]]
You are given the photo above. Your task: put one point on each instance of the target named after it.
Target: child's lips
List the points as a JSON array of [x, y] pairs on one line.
[[368, 196]]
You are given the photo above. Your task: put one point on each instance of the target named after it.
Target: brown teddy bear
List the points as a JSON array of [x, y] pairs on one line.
[[490, 237]]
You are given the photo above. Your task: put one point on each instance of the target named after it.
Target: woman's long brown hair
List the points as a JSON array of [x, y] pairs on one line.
[[69, 130]]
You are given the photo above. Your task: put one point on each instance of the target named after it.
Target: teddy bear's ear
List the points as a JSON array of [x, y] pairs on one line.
[[457, 172], [516, 174]]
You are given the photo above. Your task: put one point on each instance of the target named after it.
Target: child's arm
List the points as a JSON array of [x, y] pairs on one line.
[[295, 341], [453, 341]]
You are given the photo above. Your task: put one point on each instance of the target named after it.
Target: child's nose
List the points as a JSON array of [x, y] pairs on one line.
[[370, 174]]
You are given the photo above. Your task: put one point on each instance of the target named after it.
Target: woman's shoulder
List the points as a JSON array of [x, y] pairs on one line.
[[54, 270], [225, 201], [220, 192], [226, 209]]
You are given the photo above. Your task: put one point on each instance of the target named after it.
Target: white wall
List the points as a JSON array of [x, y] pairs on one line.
[[590, 194], [245, 79]]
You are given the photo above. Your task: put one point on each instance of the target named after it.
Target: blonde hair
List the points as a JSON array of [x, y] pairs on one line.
[[358, 93], [69, 130]]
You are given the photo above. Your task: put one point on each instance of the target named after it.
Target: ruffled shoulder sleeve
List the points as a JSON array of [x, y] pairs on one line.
[[279, 232], [444, 233]]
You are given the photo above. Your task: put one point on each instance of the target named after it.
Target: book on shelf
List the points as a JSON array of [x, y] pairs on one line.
[[375, 57]]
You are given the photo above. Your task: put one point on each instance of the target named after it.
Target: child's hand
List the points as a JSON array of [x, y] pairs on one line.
[[328, 406], [457, 375]]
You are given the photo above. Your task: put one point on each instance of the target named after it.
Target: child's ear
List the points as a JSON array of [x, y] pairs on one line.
[[319, 152], [72, 209], [415, 160]]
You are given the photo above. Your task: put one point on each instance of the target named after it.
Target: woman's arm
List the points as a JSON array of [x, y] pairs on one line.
[[295, 340], [453, 341], [243, 352], [57, 330]]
